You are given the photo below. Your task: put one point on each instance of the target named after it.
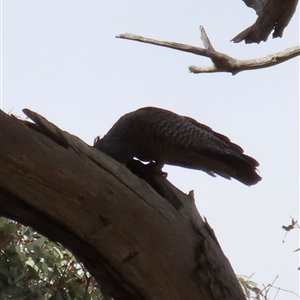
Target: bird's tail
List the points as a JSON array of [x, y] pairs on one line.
[[238, 166]]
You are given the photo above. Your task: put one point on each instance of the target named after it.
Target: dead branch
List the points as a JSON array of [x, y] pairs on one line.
[[221, 62], [138, 242], [237, 65]]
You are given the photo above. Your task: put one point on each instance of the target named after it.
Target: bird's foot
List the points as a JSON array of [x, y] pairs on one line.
[[145, 170]]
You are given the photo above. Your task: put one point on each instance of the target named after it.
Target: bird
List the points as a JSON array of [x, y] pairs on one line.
[[156, 135]]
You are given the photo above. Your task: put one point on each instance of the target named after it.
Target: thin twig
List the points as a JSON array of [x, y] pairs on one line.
[[172, 45], [287, 291]]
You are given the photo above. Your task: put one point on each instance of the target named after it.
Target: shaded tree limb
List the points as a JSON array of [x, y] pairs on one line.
[[272, 15], [222, 62], [135, 242]]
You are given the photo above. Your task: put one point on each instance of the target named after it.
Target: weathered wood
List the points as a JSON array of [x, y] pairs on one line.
[[221, 61], [136, 243]]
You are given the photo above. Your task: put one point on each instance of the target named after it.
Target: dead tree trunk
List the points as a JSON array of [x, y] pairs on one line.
[[137, 244]]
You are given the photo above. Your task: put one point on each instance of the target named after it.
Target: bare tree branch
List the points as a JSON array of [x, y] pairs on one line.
[[252, 64], [222, 62], [138, 242]]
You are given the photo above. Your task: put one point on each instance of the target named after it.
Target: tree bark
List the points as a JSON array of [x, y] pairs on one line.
[[137, 243]]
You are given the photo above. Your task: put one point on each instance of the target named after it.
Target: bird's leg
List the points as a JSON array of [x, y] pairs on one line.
[[154, 167], [145, 170]]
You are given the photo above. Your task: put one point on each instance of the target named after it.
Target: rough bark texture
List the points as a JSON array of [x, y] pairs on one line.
[[138, 244], [272, 15]]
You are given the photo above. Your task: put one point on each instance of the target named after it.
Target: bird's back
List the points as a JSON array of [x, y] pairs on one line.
[[153, 134]]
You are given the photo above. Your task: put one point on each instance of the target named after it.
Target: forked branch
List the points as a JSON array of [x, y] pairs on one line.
[[221, 61]]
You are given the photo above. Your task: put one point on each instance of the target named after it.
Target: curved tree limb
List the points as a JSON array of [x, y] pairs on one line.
[[137, 242], [222, 62]]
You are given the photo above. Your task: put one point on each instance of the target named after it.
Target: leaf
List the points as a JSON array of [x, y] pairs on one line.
[[39, 242], [32, 267], [291, 226]]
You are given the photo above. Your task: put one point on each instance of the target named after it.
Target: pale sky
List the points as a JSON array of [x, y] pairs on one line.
[[62, 60]]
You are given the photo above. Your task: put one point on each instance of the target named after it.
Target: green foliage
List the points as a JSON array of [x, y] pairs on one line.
[[32, 267]]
